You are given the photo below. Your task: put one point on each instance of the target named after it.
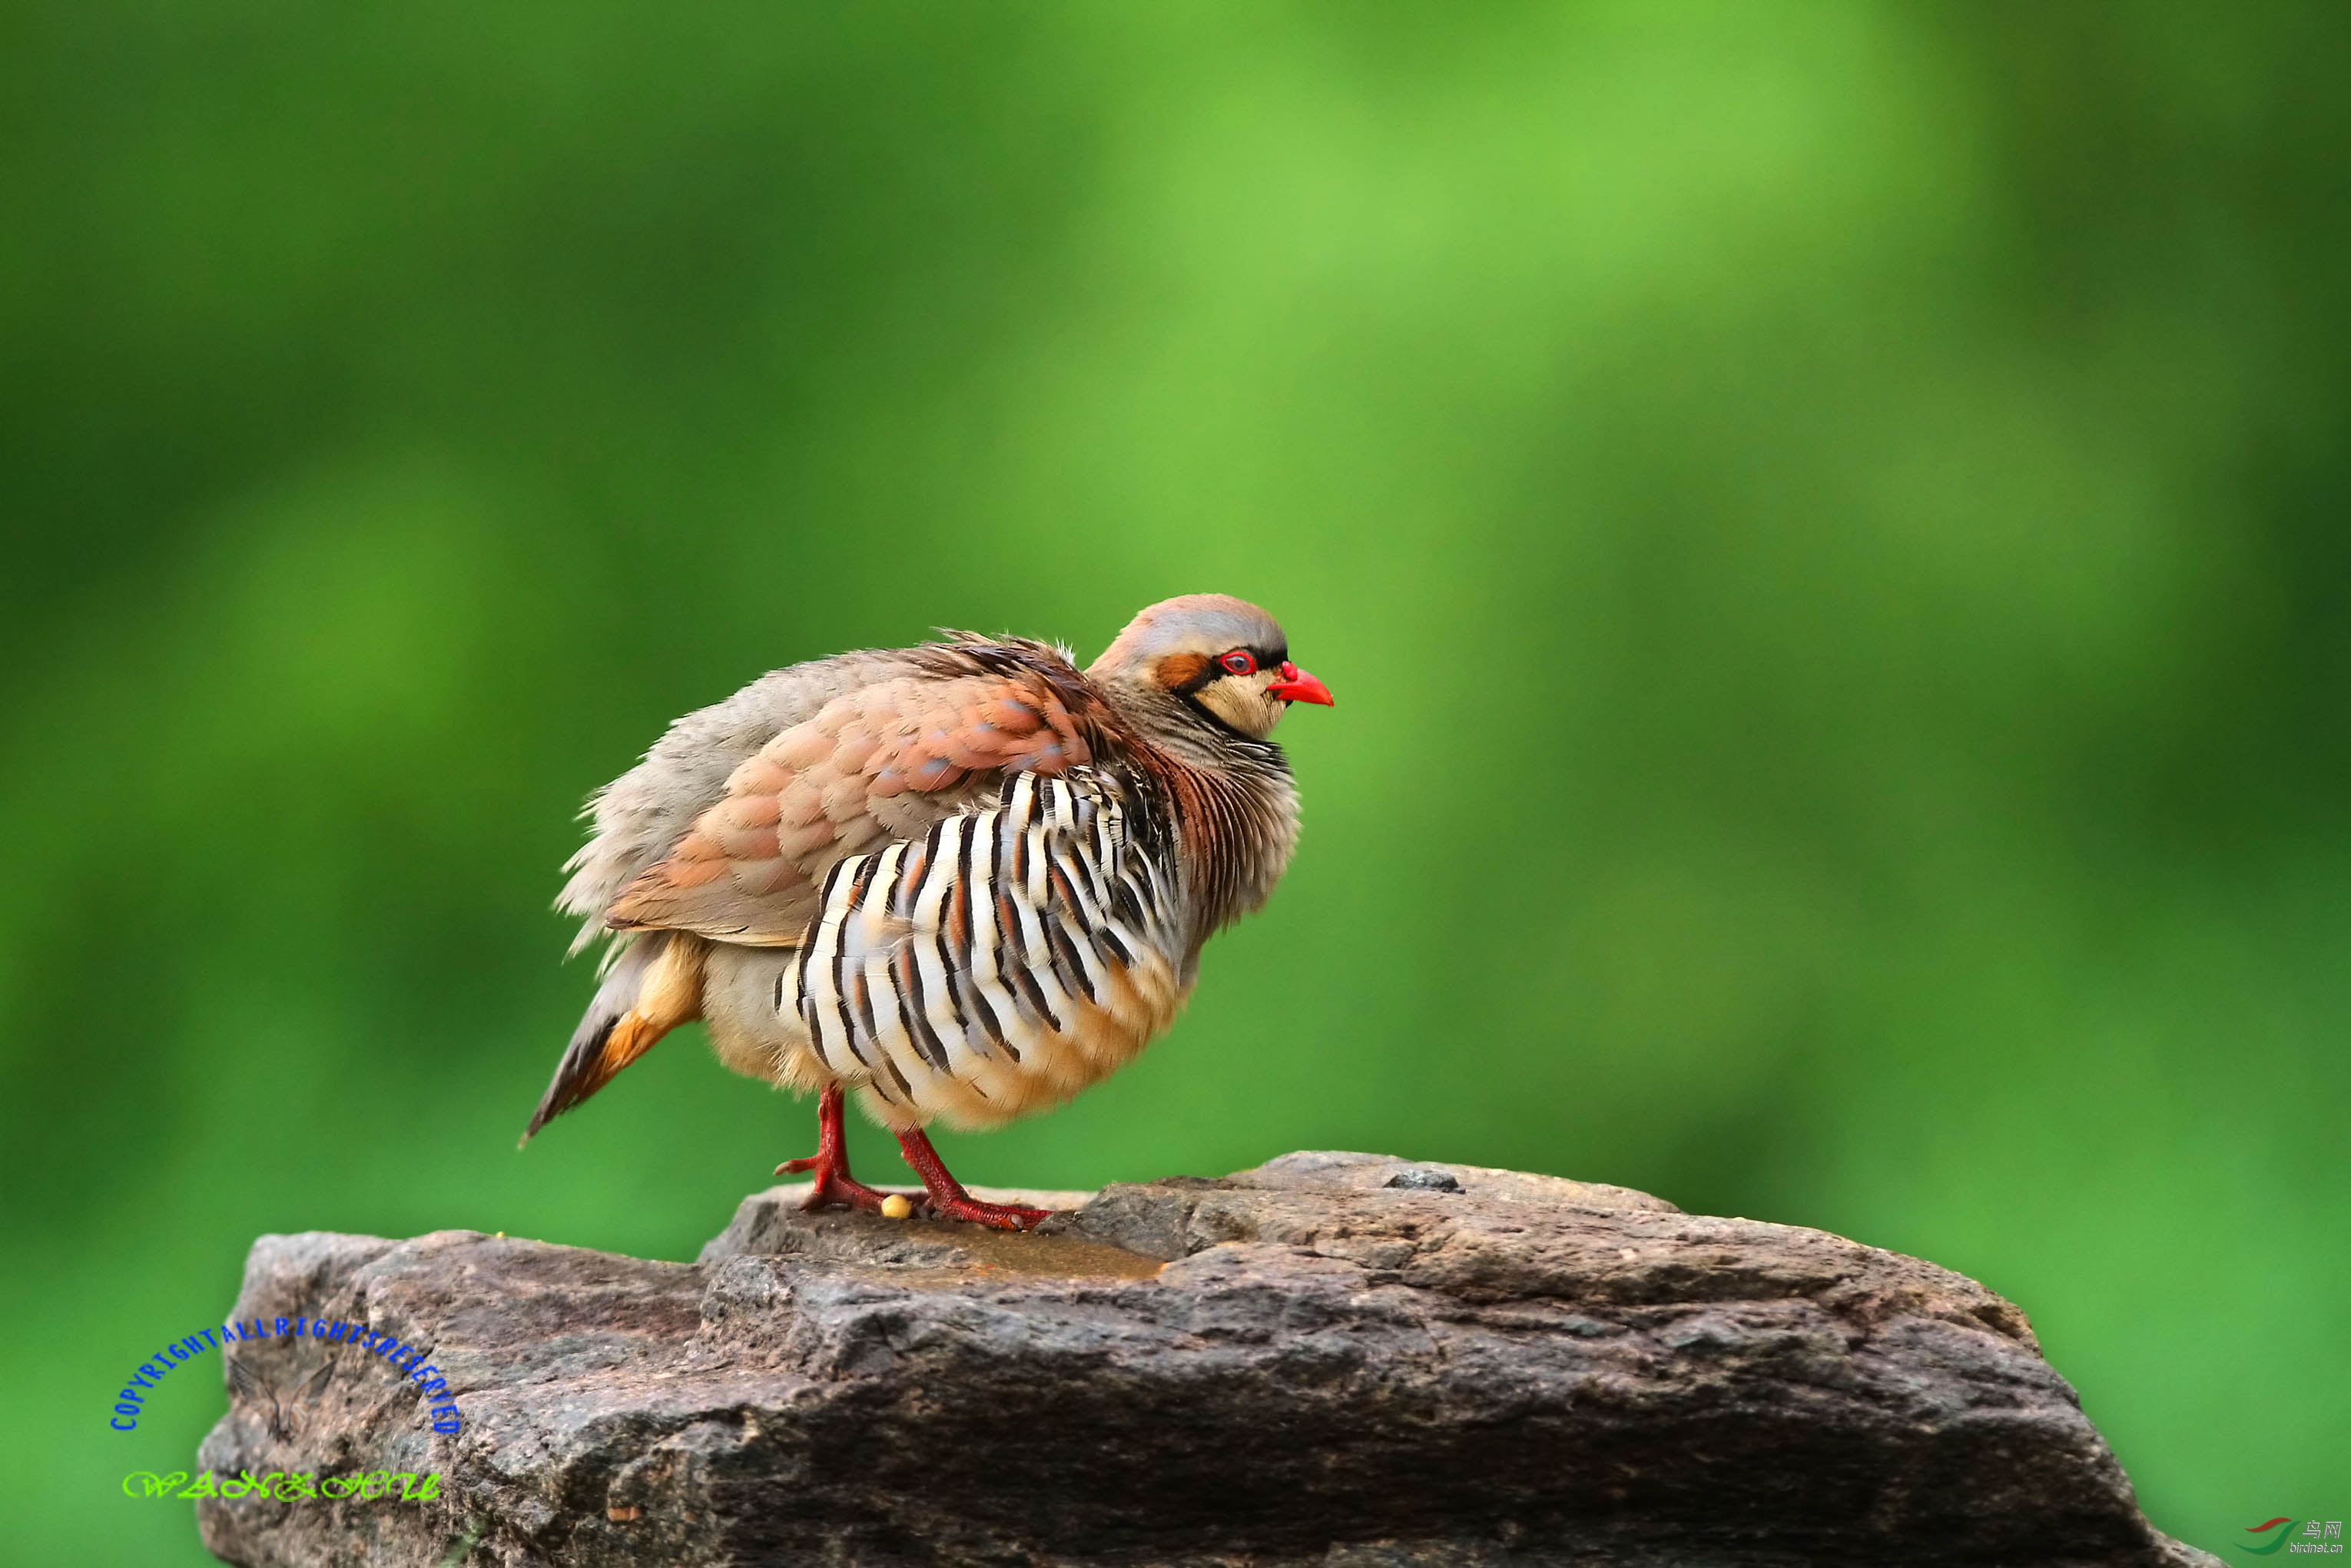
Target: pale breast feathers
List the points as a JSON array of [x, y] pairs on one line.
[[876, 765]]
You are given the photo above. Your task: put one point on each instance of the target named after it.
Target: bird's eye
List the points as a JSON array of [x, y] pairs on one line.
[[1238, 663]]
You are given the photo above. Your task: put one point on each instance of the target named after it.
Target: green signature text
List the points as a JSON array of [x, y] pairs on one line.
[[286, 1486]]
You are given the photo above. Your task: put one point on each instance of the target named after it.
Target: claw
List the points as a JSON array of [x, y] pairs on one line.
[[999, 1216], [840, 1190]]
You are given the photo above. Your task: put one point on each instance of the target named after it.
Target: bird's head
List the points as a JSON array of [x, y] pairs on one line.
[[1222, 658]]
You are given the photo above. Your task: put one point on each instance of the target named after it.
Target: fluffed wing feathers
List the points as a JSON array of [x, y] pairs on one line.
[[640, 816], [875, 764]]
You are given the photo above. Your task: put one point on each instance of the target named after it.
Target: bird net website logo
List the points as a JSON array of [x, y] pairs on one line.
[[2293, 1536], [283, 1411]]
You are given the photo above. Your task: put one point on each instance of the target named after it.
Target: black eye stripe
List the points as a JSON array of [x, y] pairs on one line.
[[1266, 659]]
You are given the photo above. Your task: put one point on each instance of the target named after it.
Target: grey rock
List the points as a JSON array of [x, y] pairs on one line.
[[1339, 1360]]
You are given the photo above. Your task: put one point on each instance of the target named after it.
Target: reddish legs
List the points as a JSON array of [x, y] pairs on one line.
[[948, 1199], [833, 1182]]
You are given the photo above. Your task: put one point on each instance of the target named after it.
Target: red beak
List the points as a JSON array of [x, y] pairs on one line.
[[1297, 686]]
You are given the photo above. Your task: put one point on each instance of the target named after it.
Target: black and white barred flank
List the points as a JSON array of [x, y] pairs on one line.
[[968, 962]]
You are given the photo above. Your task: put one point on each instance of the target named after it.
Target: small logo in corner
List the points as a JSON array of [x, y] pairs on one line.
[[2282, 1534]]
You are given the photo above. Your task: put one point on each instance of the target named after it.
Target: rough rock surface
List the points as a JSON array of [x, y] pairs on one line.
[[1341, 1360]]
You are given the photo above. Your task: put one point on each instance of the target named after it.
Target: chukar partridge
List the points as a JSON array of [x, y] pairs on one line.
[[961, 881]]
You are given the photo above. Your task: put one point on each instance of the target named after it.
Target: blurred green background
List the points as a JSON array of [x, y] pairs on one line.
[[1827, 523]]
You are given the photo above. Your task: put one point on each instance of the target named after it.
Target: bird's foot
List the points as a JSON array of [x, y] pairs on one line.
[[833, 1187], [999, 1216], [946, 1198]]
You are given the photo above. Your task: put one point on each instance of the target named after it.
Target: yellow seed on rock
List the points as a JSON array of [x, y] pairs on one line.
[[895, 1206]]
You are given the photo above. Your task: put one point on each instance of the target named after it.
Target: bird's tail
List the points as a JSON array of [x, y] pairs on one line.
[[654, 987]]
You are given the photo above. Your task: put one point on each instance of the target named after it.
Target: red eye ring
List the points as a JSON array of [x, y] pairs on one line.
[[1238, 663]]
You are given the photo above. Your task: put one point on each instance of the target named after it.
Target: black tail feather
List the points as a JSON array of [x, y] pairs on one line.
[[580, 1074]]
